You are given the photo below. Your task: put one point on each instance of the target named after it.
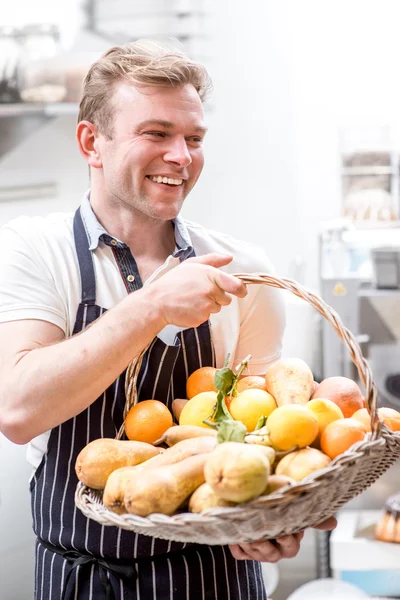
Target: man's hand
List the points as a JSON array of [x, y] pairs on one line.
[[269, 551], [187, 295], [274, 550]]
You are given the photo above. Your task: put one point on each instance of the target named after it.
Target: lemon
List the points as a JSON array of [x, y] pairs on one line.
[[200, 407], [250, 405], [292, 425], [326, 412]]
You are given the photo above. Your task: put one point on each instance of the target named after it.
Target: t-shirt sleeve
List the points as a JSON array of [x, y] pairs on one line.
[[262, 326], [27, 288]]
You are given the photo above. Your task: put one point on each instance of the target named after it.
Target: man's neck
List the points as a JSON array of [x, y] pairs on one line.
[[146, 237]]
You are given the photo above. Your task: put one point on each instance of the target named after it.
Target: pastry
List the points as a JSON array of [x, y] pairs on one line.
[[388, 528]]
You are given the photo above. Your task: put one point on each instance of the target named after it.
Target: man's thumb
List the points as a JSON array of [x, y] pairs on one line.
[[213, 260]]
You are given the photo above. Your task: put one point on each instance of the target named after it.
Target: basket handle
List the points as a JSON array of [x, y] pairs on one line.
[[363, 368], [324, 309]]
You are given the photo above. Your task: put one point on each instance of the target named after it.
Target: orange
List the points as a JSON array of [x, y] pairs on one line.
[[250, 405], [201, 380], [147, 421], [342, 391], [198, 408], [390, 417], [292, 425], [338, 436], [326, 412], [251, 382]]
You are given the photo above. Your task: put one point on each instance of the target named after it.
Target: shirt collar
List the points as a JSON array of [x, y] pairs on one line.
[[96, 232]]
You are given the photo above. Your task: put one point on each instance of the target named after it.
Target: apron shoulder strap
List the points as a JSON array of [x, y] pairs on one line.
[[85, 260]]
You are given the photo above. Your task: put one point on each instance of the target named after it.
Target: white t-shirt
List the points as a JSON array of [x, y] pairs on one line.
[[40, 279]]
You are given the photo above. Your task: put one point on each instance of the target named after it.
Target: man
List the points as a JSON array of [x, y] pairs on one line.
[[126, 250]]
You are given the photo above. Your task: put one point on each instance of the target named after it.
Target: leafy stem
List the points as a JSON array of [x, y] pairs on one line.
[[226, 381]]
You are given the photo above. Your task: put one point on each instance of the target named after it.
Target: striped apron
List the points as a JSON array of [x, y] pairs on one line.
[[76, 557]]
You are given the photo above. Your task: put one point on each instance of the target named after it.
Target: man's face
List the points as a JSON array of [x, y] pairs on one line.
[[155, 154]]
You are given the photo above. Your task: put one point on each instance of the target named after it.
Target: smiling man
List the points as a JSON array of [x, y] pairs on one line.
[[127, 264]]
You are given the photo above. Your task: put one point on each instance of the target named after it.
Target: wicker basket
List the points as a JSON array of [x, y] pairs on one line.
[[290, 509]]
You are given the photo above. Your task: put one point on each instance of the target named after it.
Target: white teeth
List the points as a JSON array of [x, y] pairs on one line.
[[159, 179]]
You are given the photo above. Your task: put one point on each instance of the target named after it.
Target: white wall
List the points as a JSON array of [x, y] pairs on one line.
[[247, 188], [344, 57]]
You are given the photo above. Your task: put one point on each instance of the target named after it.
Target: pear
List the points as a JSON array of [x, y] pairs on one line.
[[177, 433], [268, 452], [276, 482], [301, 463], [101, 457], [113, 497], [205, 497], [259, 436], [290, 381], [237, 472], [164, 489], [177, 406]]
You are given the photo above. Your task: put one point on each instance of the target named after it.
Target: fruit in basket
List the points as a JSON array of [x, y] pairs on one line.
[[276, 482], [200, 407], [177, 407], [342, 391], [147, 421], [338, 436], [114, 490], [390, 417], [290, 381], [237, 472], [259, 436], [205, 497], [113, 495], [268, 452], [163, 490], [250, 405], [177, 433], [326, 412], [100, 457], [301, 463], [292, 425], [201, 380], [251, 382]]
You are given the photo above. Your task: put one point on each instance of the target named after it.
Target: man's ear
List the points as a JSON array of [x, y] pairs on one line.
[[87, 135]]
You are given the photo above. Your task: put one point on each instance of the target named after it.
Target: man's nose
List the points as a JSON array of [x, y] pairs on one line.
[[178, 152]]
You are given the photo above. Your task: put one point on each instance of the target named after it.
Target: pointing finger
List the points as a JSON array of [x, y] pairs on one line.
[[212, 259]]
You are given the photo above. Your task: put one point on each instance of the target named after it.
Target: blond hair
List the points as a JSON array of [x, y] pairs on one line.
[[144, 63]]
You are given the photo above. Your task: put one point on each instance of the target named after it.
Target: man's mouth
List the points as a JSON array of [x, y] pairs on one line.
[[164, 180]]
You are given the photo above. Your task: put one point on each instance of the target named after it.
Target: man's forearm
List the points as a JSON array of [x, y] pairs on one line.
[[51, 384]]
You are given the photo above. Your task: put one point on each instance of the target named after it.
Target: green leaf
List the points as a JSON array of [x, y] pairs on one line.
[[231, 431], [224, 380], [221, 412]]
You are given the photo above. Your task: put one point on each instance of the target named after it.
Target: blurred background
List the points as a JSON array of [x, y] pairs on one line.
[[302, 158]]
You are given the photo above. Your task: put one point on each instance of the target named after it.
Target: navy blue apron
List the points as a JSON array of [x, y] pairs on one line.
[[76, 557]]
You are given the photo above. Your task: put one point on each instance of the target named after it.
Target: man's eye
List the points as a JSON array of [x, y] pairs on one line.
[[160, 134], [195, 139]]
